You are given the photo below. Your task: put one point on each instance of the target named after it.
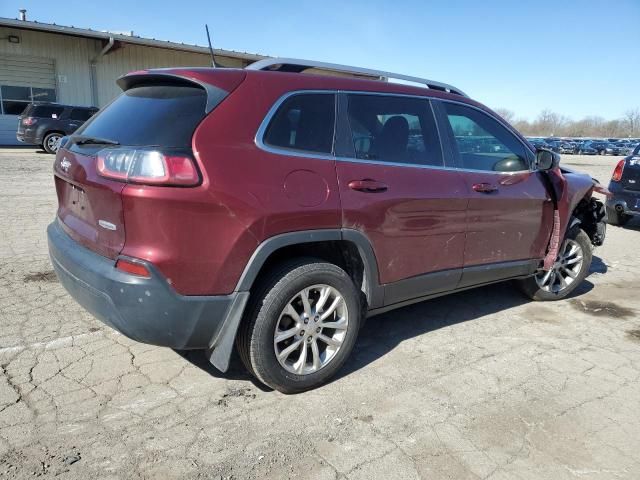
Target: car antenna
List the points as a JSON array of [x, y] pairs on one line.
[[213, 60]]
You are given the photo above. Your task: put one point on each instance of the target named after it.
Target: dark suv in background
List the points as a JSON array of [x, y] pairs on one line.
[[274, 210], [624, 203], [44, 124]]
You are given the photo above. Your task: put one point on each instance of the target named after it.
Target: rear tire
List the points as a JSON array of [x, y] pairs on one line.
[[51, 142], [315, 351], [616, 218], [570, 269]]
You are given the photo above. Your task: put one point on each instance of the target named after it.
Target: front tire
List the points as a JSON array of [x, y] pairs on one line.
[[51, 142], [302, 324], [568, 272]]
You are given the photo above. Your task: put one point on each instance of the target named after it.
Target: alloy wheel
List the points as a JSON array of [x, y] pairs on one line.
[[565, 269], [53, 142], [311, 329]]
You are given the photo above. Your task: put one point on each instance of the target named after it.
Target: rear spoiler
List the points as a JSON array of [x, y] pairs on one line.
[[188, 77]]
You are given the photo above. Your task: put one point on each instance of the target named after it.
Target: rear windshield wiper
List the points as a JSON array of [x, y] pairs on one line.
[[86, 140]]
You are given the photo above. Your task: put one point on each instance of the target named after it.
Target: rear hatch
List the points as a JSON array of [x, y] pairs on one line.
[[30, 116], [158, 113], [631, 174]]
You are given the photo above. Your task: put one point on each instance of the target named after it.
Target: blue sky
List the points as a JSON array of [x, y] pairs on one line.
[[577, 58]]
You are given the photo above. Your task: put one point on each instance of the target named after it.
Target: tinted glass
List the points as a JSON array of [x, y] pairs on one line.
[[10, 107], [483, 143], [393, 129], [81, 114], [304, 122], [159, 115], [46, 111], [43, 94], [16, 93]]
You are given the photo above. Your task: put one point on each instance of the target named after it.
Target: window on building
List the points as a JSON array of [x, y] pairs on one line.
[[43, 94], [14, 99], [304, 122]]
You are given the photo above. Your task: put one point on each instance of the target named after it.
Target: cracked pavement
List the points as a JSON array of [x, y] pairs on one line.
[[478, 385]]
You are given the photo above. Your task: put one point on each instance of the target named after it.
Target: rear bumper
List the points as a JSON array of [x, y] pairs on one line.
[[144, 309], [29, 137], [627, 202]]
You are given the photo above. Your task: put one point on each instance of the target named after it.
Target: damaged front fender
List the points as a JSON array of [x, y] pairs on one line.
[[571, 192]]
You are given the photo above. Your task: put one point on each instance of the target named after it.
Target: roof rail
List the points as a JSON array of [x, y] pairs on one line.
[[296, 65]]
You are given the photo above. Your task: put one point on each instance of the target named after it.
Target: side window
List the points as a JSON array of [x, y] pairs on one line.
[[303, 122], [484, 144], [46, 111], [393, 129], [81, 114]]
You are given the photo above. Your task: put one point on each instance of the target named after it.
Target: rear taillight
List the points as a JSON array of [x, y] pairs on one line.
[[132, 268], [149, 167], [29, 121], [617, 172]]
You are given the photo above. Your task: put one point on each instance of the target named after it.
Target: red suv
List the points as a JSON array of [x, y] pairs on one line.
[[274, 210]]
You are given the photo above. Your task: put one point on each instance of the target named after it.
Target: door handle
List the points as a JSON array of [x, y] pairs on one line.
[[484, 187], [367, 186]]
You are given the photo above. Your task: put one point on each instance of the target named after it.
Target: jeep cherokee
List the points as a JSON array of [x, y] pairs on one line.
[[272, 211]]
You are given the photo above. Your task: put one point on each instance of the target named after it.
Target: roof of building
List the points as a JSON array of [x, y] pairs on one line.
[[131, 39]]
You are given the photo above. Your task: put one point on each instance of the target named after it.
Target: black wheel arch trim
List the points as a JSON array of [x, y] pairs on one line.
[[371, 285]]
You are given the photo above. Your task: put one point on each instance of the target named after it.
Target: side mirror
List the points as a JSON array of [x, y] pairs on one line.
[[546, 159]]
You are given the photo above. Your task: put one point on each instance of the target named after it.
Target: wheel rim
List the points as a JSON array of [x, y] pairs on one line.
[[53, 141], [311, 329], [565, 270]]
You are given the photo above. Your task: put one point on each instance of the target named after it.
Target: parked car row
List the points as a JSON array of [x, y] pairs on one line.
[[586, 146]]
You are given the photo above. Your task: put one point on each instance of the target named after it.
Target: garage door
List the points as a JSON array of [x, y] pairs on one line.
[[22, 79]]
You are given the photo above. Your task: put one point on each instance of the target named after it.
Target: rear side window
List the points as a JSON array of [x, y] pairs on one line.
[[81, 114], [482, 142], [303, 122], [158, 115], [394, 129], [46, 111]]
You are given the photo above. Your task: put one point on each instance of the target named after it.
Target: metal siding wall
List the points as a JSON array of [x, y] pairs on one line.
[[70, 54], [8, 127], [27, 71]]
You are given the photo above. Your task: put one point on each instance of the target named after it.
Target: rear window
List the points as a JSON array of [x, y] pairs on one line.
[[81, 114], [304, 122], [45, 111], [158, 115]]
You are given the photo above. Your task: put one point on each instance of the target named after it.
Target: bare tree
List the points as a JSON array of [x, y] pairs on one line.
[[549, 123], [507, 114], [631, 122]]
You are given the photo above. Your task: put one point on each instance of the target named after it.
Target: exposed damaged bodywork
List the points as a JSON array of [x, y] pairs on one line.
[[571, 193], [590, 215]]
